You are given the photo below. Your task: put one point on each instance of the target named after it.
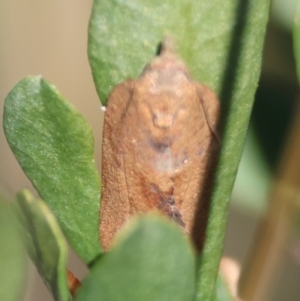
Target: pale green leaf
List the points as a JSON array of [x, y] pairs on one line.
[[44, 242]]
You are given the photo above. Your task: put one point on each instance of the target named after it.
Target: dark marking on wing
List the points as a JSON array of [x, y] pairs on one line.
[[168, 206], [160, 146]]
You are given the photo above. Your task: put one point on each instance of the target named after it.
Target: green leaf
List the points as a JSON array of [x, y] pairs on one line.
[[124, 35], [152, 260], [12, 259], [296, 37], [221, 42], [54, 145], [237, 95], [44, 242]]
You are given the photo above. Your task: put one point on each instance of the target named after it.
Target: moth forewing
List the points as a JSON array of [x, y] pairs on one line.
[[159, 138]]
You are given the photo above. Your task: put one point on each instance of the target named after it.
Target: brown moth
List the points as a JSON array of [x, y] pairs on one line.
[[159, 148]]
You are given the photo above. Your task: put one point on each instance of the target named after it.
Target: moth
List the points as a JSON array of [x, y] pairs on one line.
[[160, 143]]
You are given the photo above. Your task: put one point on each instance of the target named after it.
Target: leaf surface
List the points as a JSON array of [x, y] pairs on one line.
[[221, 43], [54, 145], [12, 259], [151, 260], [44, 242]]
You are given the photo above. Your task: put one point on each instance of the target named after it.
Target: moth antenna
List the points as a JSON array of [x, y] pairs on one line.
[[210, 125]]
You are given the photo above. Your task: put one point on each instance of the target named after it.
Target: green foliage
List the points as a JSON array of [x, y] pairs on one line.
[[237, 96], [124, 35], [151, 260], [222, 48], [12, 259], [44, 242], [55, 147], [221, 42]]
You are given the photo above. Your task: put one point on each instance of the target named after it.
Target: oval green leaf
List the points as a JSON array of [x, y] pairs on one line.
[[12, 259], [124, 36], [152, 260], [54, 145], [44, 242], [221, 42]]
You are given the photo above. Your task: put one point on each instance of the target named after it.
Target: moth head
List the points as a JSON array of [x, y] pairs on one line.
[[164, 91]]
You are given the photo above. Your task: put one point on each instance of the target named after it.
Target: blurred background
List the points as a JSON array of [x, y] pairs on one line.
[[50, 38]]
